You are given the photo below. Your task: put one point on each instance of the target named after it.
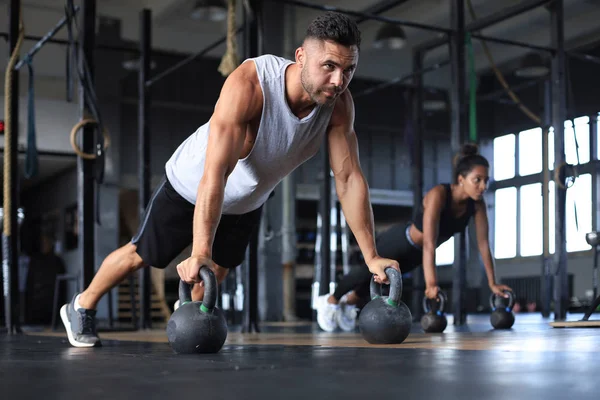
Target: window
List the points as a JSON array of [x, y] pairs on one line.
[[596, 133], [530, 151], [582, 133], [551, 219], [505, 219], [531, 218], [444, 255], [579, 198], [551, 148], [504, 157], [583, 142]]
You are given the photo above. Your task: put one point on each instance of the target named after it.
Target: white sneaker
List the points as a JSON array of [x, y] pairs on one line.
[[346, 317], [326, 314]]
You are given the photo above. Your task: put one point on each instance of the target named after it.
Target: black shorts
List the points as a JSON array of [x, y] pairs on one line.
[[167, 229]]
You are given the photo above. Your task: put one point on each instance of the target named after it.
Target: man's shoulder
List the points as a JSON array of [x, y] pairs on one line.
[[269, 59], [343, 110]]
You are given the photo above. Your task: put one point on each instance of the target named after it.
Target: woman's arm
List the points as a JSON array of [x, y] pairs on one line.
[[483, 243], [432, 207]]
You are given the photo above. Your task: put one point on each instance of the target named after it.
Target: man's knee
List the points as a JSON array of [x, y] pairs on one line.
[[131, 258]]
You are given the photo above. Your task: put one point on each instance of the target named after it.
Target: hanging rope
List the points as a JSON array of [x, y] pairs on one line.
[[230, 61], [8, 127], [31, 156], [560, 169], [500, 77]]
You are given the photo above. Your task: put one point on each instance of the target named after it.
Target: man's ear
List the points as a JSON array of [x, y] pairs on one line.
[[300, 56]]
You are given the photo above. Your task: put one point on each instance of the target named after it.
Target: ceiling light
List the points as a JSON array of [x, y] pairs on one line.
[[434, 105], [209, 10], [134, 64], [390, 36], [532, 66]]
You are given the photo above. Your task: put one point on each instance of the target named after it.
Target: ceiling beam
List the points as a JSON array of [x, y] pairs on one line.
[[379, 8]]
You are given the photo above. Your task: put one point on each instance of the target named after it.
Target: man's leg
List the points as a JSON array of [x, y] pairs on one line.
[[114, 269], [165, 230], [78, 316]]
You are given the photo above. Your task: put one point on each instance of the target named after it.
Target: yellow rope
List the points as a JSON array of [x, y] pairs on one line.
[[73, 137], [536, 118], [8, 128], [500, 77], [230, 61]]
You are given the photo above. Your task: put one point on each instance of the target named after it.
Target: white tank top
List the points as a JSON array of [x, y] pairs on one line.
[[282, 144]]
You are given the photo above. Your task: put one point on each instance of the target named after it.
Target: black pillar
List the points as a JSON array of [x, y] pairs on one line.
[[416, 154], [10, 264], [593, 126], [546, 285], [559, 94], [325, 213], [252, 48], [459, 124], [144, 154], [85, 168], [595, 175]]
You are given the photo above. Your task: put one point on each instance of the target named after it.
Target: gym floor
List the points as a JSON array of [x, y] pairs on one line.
[[530, 361]]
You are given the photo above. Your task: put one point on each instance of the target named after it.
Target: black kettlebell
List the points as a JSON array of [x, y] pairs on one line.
[[386, 320], [434, 320], [502, 316], [198, 326]]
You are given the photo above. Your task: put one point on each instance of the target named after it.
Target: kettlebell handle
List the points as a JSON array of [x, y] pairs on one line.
[[443, 300], [511, 301], [210, 290], [395, 278]]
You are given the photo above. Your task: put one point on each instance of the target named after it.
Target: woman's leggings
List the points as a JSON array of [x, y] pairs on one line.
[[393, 244]]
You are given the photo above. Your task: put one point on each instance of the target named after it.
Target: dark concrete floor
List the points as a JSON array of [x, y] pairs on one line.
[[531, 361]]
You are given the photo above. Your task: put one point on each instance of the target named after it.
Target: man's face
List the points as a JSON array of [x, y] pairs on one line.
[[327, 69]]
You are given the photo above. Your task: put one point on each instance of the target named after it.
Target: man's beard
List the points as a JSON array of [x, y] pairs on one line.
[[314, 94]]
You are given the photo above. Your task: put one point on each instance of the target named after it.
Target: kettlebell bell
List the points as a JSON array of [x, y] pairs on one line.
[[197, 326], [434, 320], [386, 320], [502, 316]]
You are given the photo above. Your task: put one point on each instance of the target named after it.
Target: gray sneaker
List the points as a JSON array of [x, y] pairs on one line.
[[80, 325]]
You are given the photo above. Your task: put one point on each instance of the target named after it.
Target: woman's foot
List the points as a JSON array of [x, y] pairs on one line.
[[346, 314], [326, 313]]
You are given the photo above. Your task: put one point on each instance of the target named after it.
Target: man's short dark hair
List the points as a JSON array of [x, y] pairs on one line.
[[335, 27]]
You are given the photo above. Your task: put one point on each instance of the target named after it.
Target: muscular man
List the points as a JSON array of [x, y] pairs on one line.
[[271, 116]]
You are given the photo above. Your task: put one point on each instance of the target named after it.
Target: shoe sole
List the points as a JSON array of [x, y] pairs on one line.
[[320, 320], [342, 325], [345, 328], [67, 324]]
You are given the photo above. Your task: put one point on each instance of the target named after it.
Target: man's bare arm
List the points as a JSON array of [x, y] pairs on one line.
[[351, 186], [236, 107]]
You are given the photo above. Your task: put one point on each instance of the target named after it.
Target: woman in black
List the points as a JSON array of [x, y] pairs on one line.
[[446, 210]]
